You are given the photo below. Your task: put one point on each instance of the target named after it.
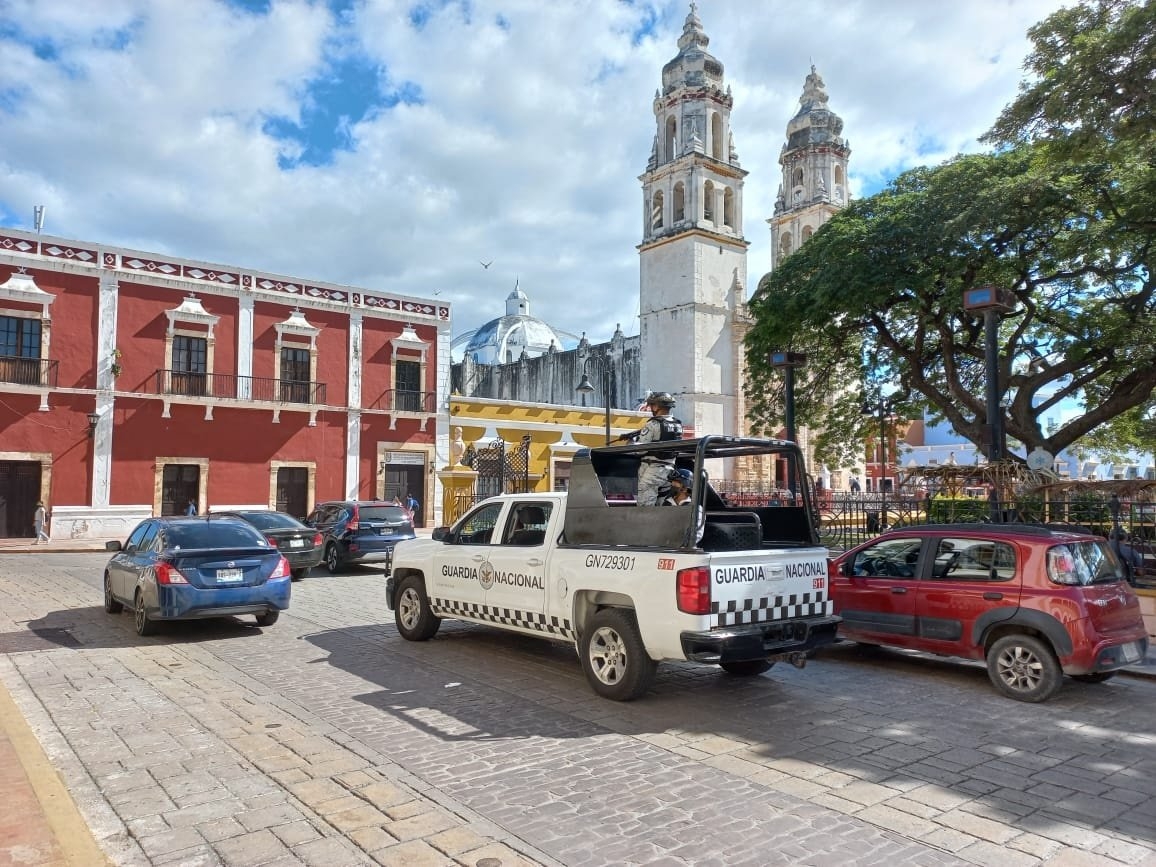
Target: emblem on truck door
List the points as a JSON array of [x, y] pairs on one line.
[[486, 574]]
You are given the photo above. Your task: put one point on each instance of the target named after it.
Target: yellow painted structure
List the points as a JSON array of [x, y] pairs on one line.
[[555, 431]]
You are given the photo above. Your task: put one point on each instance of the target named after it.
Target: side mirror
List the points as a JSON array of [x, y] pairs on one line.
[[441, 534], [114, 545]]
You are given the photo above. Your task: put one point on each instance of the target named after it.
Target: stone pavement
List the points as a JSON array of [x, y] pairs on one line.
[[328, 740]]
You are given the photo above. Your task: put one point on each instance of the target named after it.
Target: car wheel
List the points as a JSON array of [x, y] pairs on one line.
[[144, 626], [747, 667], [298, 574], [613, 656], [332, 558], [414, 618], [268, 618], [110, 603], [1023, 668], [1098, 677]]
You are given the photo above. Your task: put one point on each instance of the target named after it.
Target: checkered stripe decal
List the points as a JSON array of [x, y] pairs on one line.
[[740, 612], [505, 616]]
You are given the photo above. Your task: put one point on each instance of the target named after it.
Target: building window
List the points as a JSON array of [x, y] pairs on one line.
[[656, 211], [708, 202], [20, 350], [189, 364], [785, 244], [407, 385], [671, 138], [180, 485], [729, 208], [295, 374], [679, 203], [716, 136]]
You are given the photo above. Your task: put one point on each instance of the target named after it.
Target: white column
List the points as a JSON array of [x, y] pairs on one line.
[[245, 349], [353, 455], [356, 321], [105, 383], [442, 428]]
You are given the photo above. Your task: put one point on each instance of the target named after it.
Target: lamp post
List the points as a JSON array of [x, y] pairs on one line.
[[884, 407], [993, 303], [585, 386], [787, 362]]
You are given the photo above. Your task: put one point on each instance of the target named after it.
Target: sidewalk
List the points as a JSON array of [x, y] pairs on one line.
[[55, 546], [40, 824]]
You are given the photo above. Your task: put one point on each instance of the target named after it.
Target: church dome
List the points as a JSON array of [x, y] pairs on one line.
[[814, 122], [503, 340], [693, 66]]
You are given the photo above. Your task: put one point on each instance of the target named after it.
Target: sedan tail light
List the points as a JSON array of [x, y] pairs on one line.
[[282, 569], [271, 541], [694, 590], [167, 573], [316, 540]]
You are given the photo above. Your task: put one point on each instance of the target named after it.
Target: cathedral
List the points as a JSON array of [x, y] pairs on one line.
[[692, 261]]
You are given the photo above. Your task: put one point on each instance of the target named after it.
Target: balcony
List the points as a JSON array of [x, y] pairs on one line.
[[37, 372], [232, 387], [400, 400]]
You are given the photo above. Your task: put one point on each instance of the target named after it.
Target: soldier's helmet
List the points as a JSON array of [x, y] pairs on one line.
[[660, 398]]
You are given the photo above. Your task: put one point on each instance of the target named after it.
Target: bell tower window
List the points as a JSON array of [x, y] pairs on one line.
[[656, 211], [785, 244], [671, 139], [708, 202], [679, 203], [729, 208], [716, 136]]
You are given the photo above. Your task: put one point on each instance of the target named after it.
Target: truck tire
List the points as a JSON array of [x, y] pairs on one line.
[[1024, 668], [747, 667], [613, 656], [412, 615]]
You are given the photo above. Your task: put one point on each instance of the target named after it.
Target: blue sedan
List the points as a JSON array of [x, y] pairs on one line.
[[196, 567]]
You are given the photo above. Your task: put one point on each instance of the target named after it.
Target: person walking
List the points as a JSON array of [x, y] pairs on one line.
[[191, 508], [653, 470], [38, 519]]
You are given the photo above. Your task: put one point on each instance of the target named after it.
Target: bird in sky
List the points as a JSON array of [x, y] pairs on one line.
[[486, 265]]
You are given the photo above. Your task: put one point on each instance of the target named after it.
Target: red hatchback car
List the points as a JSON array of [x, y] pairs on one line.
[[1034, 603]]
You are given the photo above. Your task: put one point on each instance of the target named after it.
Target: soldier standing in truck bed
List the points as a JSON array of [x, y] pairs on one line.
[[653, 471]]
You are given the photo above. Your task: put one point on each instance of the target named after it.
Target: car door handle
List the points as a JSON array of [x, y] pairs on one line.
[[993, 595], [478, 558], [534, 561], [898, 590]]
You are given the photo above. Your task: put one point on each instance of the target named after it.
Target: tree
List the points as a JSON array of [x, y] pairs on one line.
[[1061, 215]]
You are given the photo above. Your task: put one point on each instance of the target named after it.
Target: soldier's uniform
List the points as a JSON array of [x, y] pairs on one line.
[[653, 471]]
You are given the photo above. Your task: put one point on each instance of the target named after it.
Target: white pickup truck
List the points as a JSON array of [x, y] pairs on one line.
[[631, 585]]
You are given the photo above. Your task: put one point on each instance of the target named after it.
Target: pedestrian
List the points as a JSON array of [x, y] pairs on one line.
[[653, 470], [412, 504], [191, 508], [855, 486], [38, 519]]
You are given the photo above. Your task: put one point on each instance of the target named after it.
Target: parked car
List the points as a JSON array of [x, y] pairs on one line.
[[188, 568], [360, 531], [302, 546], [1033, 602]]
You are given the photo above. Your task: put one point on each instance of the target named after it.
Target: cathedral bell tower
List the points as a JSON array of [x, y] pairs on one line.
[[814, 182], [693, 256]]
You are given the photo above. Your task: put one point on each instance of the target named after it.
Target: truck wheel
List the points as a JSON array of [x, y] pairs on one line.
[[414, 619], [614, 658], [1023, 668], [747, 667]]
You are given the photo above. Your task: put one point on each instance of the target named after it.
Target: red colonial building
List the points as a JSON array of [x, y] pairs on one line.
[[132, 383]]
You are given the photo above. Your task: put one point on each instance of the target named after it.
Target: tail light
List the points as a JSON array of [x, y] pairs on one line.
[[167, 573], [353, 525], [271, 541], [694, 590], [282, 569], [316, 540]]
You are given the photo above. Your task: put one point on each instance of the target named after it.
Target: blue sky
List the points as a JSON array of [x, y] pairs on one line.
[[395, 145]]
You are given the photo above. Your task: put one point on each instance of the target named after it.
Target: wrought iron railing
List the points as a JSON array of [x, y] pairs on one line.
[[401, 400], [224, 385], [19, 370]]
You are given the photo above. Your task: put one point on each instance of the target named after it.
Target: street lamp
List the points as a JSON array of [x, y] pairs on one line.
[[787, 362], [992, 302], [93, 421], [585, 386], [884, 407]]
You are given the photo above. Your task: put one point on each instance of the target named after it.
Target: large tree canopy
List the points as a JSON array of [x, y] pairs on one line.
[[1063, 216]]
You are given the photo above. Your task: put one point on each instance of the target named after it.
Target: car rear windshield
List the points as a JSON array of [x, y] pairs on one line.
[[213, 534], [387, 514], [1083, 563], [271, 520]]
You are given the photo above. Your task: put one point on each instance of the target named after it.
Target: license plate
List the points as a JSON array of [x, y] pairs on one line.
[[296, 543], [230, 576], [1131, 651]]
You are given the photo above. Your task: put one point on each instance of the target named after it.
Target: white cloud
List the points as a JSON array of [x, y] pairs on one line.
[[143, 127]]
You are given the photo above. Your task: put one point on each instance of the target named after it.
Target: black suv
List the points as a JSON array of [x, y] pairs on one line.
[[360, 531]]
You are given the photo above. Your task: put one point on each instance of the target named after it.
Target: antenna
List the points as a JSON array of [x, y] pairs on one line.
[[38, 218]]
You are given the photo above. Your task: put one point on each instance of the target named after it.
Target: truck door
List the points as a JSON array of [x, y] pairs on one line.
[[458, 569], [515, 574]]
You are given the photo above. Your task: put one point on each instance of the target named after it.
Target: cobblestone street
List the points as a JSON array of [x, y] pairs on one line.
[[328, 740]]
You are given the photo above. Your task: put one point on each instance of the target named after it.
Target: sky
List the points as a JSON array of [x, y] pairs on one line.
[[397, 145]]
